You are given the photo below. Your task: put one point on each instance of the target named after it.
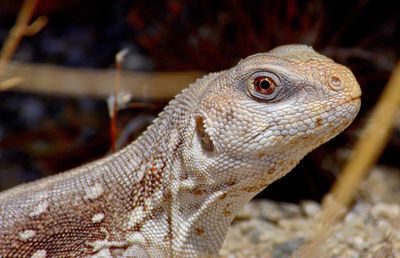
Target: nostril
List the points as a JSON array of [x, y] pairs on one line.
[[335, 82]]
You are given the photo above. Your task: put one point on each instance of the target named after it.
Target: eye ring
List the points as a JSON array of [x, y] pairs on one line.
[[263, 85]]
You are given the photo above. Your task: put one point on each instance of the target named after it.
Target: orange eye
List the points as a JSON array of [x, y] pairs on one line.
[[264, 85]]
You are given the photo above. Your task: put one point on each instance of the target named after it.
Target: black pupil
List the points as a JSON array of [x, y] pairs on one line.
[[264, 84]]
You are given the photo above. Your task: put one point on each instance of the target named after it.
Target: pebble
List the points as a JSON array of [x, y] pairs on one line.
[[310, 208], [286, 249], [389, 211]]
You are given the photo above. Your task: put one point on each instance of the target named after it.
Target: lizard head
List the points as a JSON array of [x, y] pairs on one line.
[[257, 120]]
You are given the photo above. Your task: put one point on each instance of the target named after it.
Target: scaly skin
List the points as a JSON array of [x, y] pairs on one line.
[[175, 190]]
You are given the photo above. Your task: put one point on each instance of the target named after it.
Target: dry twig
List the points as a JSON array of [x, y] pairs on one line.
[[65, 81], [20, 29]]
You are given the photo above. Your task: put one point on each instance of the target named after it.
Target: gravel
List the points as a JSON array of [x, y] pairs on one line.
[[370, 228]]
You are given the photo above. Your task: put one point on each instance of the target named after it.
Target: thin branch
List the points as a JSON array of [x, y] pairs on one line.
[[113, 104], [65, 81], [20, 29]]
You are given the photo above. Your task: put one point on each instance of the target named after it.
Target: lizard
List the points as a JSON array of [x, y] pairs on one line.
[[174, 191]]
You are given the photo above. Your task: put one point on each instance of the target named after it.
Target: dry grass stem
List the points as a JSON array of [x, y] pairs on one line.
[[10, 83], [20, 29], [113, 107], [97, 83]]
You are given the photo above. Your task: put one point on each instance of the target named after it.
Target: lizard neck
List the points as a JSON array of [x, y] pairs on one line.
[[142, 173], [152, 164]]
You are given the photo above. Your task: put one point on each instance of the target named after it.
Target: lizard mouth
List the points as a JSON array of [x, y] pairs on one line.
[[355, 96], [356, 100]]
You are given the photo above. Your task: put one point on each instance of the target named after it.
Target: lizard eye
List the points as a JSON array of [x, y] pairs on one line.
[[263, 85]]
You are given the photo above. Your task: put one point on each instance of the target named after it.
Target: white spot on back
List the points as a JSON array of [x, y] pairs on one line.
[[160, 222], [39, 208], [104, 253], [136, 238], [140, 251], [102, 244], [39, 254], [98, 217], [93, 192], [26, 234], [136, 216]]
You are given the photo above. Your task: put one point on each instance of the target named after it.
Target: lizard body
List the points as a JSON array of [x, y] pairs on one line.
[[175, 190]]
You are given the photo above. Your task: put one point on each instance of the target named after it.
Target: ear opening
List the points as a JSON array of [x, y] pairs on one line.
[[204, 138]]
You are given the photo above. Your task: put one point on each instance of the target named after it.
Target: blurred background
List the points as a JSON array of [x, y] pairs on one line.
[[42, 133]]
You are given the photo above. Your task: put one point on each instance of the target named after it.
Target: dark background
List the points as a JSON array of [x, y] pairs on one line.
[[42, 134]]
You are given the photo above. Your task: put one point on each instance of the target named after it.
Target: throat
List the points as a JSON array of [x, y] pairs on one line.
[[201, 218]]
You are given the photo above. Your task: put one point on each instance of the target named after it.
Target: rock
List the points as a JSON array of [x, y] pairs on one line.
[[389, 211], [310, 208], [286, 249]]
